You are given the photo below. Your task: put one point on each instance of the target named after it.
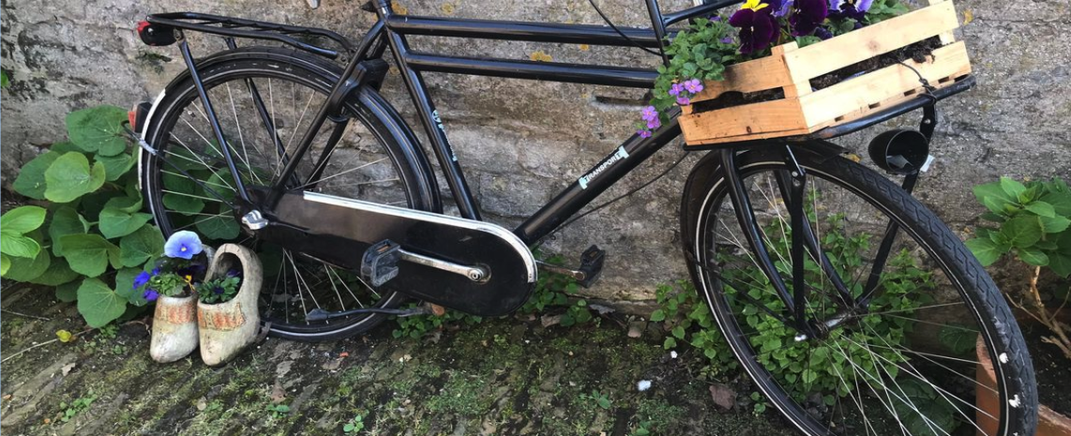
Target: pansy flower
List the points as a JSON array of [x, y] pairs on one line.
[[183, 245], [757, 27], [141, 279], [807, 15], [855, 9], [151, 295], [649, 113], [693, 86]]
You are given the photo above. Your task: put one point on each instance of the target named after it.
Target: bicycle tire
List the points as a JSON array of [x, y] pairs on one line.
[[704, 200], [317, 76]]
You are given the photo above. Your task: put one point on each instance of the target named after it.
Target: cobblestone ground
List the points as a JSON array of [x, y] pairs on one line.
[[503, 376]]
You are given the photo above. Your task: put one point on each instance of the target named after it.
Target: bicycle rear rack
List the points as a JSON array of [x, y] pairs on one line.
[[160, 31]]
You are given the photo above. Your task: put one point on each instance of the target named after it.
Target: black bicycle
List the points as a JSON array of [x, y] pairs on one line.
[[850, 305]]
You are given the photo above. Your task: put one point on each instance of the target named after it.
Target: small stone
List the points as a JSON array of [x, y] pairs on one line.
[[67, 368], [723, 396], [202, 404], [333, 364], [635, 330], [673, 354], [550, 320], [278, 393], [643, 385]]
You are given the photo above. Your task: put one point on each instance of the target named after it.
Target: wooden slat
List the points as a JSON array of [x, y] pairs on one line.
[[752, 76], [782, 117], [860, 92], [854, 47]]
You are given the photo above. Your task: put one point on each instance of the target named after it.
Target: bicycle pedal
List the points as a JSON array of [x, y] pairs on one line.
[[591, 262], [380, 262]]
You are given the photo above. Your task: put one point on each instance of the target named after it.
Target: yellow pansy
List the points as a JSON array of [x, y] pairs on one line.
[[754, 5]]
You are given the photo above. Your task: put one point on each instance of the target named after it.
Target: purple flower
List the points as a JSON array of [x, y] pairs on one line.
[[693, 86], [676, 89], [715, 18], [183, 244], [151, 295], [654, 124], [218, 290], [823, 33], [649, 113], [807, 15], [782, 10], [727, 40], [855, 9], [644, 133], [683, 101], [141, 279], [757, 29]]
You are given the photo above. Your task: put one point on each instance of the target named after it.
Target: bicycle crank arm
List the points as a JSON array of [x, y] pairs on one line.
[[474, 273]]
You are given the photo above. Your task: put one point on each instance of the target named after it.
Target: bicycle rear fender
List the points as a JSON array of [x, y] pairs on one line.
[[369, 97]]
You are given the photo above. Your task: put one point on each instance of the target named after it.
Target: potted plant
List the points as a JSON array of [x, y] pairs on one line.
[[227, 304], [171, 285], [1034, 224]]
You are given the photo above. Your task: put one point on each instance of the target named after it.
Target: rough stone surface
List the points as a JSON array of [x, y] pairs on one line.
[[523, 141]]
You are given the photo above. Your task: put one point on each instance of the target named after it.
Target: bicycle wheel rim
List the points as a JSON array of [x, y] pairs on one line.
[[719, 301], [315, 85]]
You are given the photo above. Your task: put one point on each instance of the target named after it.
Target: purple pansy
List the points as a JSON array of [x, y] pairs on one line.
[[855, 9], [783, 8], [757, 29], [644, 133], [141, 279], [727, 40], [676, 89], [151, 295], [823, 33], [649, 113], [654, 124], [693, 86], [183, 245], [807, 15]]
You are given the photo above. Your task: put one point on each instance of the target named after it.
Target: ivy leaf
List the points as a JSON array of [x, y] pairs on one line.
[[115, 223], [115, 166], [98, 130], [65, 221], [70, 177], [986, 250], [22, 220], [219, 227], [31, 180], [1033, 257], [140, 246], [98, 303], [16, 245], [1022, 231], [89, 255]]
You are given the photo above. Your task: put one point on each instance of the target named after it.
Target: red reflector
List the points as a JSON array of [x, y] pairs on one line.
[[142, 25], [132, 116]]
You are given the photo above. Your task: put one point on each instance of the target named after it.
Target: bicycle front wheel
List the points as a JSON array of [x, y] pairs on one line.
[[265, 99], [891, 344]]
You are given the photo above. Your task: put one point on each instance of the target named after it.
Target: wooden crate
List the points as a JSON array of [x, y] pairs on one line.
[[803, 110]]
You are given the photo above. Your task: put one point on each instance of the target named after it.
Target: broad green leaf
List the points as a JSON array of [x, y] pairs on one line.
[[31, 180], [24, 269], [124, 286], [1060, 263], [64, 147], [1042, 209], [222, 227], [5, 263], [65, 221], [1012, 187], [16, 245], [91, 204], [23, 219], [116, 166], [1022, 231], [1060, 201], [89, 255], [140, 246], [68, 292], [98, 303], [70, 177], [1033, 257], [992, 196], [129, 204], [58, 273], [221, 186], [985, 250], [115, 223], [658, 315], [183, 204], [1055, 224], [98, 130]]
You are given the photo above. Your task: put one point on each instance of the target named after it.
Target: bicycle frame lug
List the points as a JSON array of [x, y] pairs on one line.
[[254, 220]]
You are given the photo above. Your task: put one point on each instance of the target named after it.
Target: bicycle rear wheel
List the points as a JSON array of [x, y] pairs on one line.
[[265, 99], [905, 364]]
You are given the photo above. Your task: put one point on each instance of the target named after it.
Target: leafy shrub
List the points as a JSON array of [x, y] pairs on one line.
[[95, 238]]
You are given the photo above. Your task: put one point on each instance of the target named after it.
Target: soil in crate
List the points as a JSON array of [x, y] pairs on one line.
[[1052, 369], [917, 51]]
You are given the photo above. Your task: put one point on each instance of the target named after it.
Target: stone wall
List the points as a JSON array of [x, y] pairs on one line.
[[523, 141]]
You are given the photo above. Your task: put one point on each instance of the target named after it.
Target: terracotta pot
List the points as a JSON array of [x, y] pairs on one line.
[[1050, 423], [227, 328], [174, 328]]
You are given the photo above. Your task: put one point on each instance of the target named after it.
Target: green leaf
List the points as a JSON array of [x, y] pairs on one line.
[[1059, 198], [98, 130], [16, 245], [1055, 224], [115, 166], [89, 255], [658, 315], [1041, 208], [65, 221], [140, 246], [986, 250], [1022, 231], [222, 227], [124, 286], [183, 204], [958, 339], [68, 292], [70, 177], [126, 204], [23, 219], [114, 223], [5, 263], [992, 196], [1012, 187], [58, 273], [1033, 256], [1060, 263], [98, 303], [31, 180], [25, 269], [678, 332]]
